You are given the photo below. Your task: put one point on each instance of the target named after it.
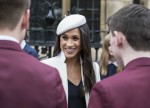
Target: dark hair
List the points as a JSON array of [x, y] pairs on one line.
[[85, 53], [134, 22], [11, 11]]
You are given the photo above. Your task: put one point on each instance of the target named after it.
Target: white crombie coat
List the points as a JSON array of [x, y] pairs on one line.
[[59, 63]]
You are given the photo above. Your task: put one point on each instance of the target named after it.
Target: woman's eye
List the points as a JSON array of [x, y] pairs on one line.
[[64, 37], [75, 38]]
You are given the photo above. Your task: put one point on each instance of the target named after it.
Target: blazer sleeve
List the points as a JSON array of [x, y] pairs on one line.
[[28, 49], [97, 71], [60, 94], [98, 97]]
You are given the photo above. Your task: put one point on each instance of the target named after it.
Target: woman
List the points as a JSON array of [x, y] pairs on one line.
[[72, 58], [108, 64]]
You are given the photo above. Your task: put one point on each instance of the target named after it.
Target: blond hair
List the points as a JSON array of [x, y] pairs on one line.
[[105, 57]]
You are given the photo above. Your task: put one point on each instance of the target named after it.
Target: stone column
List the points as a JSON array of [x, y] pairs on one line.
[[108, 7], [148, 6], [145, 3], [65, 7]]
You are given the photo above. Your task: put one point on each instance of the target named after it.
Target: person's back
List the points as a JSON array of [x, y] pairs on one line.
[[24, 81], [25, 84], [129, 88], [130, 40]]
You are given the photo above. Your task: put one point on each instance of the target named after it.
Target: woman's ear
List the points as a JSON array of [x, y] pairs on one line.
[[25, 21]]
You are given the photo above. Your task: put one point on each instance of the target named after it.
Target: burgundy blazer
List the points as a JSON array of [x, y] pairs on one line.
[[27, 83], [127, 89]]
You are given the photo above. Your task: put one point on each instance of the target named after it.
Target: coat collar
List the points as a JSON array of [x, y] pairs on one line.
[[6, 44], [61, 56], [139, 62]]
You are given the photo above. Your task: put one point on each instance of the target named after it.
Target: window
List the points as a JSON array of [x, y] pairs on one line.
[[91, 10]]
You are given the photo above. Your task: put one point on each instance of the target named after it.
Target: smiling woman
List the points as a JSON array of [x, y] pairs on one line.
[[70, 43], [72, 58]]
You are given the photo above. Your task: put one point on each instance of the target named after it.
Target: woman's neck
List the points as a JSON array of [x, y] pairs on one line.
[[74, 70], [72, 61]]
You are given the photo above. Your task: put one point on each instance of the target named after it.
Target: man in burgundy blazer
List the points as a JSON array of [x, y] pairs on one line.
[[130, 43], [24, 81]]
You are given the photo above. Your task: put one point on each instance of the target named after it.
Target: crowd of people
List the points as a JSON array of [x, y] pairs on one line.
[[70, 79]]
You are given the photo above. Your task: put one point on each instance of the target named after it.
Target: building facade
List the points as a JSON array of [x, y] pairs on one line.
[[46, 14]]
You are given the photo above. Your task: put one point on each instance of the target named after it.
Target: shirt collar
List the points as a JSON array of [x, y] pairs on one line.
[[115, 63], [22, 44], [6, 37]]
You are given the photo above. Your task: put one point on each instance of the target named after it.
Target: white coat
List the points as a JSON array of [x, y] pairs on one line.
[[58, 62]]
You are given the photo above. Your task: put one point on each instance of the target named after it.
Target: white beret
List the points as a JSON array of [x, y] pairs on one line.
[[70, 22]]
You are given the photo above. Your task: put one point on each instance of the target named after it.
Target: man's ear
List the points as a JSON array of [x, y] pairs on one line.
[[119, 38], [25, 21]]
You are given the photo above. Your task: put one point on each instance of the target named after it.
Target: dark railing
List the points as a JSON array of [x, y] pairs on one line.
[[42, 39]]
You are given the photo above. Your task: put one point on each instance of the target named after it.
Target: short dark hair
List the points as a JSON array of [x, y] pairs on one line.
[[134, 22], [85, 53], [11, 11]]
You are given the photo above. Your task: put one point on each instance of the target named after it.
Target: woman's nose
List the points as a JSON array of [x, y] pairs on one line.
[[69, 42]]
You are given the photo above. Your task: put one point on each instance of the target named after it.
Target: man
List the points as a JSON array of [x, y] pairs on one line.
[[130, 43], [28, 49], [24, 81]]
